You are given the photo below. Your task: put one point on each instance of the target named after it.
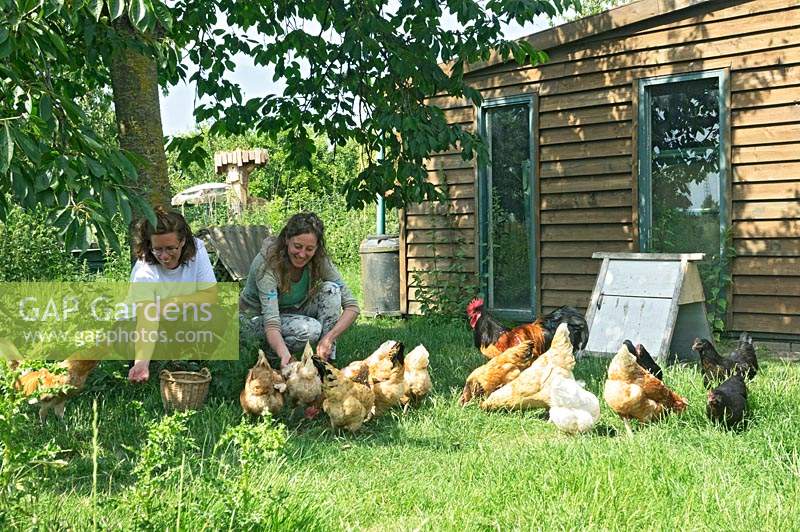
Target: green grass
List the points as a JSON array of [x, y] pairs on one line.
[[437, 467]]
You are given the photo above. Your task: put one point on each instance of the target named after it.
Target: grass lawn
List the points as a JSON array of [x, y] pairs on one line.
[[439, 467]]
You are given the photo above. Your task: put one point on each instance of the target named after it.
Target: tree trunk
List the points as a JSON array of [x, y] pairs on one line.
[[134, 80]]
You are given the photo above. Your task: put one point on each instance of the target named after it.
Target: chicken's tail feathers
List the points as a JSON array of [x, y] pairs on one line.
[[398, 357], [578, 328], [745, 338]]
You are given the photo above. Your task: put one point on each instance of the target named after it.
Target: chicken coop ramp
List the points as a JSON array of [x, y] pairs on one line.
[[653, 299]]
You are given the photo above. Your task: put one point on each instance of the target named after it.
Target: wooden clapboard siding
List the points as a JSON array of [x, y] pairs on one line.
[[582, 150], [767, 191], [767, 247], [766, 323], [587, 216], [455, 206], [766, 116], [772, 266], [583, 283], [766, 286], [766, 210], [582, 249], [585, 184], [615, 198], [429, 236], [573, 298], [766, 134], [586, 146], [439, 250], [766, 229]]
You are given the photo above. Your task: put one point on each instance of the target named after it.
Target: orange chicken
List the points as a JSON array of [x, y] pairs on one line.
[[498, 371], [66, 384], [303, 385], [348, 404], [634, 393], [416, 375], [263, 389], [531, 389]]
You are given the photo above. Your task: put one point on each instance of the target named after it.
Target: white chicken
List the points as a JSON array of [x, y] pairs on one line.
[[573, 409]]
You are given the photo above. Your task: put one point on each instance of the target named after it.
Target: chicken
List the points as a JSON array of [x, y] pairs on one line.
[[386, 377], [572, 408], [644, 359], [64, 385], [263, 389], [492, 338], [498, 371], [531, 389], [633, 393], [348, 404], [303, 385], [727, 403], [744, 357], [416, 375], [714, 366], [357, 371]]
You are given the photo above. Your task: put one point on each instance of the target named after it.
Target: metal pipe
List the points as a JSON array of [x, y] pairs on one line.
[[380, 210]]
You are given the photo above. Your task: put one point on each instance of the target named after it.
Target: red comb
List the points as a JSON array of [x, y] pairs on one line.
[[473, 306]]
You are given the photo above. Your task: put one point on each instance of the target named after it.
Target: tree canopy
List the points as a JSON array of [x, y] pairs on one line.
[[353, 71]]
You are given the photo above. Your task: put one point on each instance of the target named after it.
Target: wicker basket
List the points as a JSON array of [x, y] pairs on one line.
[[184, 390]]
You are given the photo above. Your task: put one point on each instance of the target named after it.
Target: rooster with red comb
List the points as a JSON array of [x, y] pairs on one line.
[[492, 338]]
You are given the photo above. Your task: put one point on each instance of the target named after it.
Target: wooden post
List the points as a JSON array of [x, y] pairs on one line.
[[237, 165]]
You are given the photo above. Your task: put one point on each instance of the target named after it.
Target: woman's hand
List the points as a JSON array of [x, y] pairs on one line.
[[140, 371], [325, 347], [285, 361]]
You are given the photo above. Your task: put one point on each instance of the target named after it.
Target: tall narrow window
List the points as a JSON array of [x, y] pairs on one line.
[[506, 209], [683, 169]]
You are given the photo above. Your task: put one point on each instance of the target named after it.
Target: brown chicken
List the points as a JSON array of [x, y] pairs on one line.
[[303, 385], [532, 388], [498, 371], [634, 393], [386, 372], [348, 404], [263, 389], [357, 371], [416, 375], [492, 338], [64, 385]]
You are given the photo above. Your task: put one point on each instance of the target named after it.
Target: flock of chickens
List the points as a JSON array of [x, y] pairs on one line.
[[351, 396], [530, 366]]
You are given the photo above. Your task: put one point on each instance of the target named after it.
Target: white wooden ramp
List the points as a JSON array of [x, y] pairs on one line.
[[654, 299]]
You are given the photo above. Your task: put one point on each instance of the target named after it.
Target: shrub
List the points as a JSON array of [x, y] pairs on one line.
[[31, 250]]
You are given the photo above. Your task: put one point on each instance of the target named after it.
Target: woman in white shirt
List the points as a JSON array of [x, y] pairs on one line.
[[169, 253]]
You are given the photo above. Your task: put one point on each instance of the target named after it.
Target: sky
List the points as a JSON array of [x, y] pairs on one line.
[[178, 104]]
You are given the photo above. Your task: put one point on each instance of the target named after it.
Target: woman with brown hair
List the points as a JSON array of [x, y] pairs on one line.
[[294, 294], [169, 253]]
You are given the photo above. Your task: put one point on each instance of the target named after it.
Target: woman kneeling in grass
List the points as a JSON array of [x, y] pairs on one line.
[[295, 294]]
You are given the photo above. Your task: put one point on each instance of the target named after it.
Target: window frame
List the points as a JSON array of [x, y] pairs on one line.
[[644, 161], [484, 200]]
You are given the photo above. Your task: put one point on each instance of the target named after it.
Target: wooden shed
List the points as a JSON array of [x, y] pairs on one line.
[[662, 125]]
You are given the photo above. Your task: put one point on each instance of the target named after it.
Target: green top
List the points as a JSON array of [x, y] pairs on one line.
[[297, 292], [260, 294]]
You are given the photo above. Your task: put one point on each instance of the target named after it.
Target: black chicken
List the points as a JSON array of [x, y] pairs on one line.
[[744, 357], [727, 403], [715, 367], [644, 359]]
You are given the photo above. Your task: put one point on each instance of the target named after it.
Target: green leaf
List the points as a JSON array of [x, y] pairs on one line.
[[137, 13], [116, 8], [6, 147], [45, 108], [95, 8]]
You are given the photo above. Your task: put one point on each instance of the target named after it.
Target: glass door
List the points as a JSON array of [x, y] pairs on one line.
[[506, 212]]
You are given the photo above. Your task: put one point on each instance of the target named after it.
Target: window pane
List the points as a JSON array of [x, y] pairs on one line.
[[685, 136], [509, 220]]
